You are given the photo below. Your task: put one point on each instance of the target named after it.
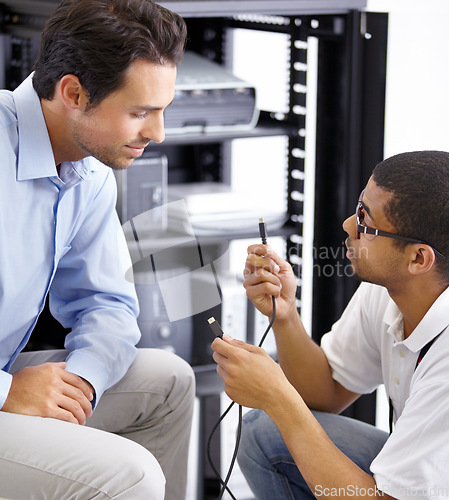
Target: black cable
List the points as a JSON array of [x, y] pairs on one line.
[[224, 484], [219, 333], [234, 456], [273, 317]]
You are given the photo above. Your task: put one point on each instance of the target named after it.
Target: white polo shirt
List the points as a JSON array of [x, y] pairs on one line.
[[365, 349]]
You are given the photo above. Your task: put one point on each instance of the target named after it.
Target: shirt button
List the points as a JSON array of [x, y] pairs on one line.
[[402, 354], [396, 380]]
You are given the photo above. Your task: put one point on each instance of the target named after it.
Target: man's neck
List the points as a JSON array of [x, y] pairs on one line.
[[414, 301], [58, 131]]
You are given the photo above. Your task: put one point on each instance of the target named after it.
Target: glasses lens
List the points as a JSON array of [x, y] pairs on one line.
[[359, 217], [361, 222], [360, 214]]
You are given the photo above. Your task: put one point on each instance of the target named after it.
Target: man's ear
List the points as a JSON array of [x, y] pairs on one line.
[[72, 93], [422, 258]]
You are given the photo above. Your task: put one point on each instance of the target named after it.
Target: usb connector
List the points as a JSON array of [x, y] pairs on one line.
[[262, 231], [216, 328]]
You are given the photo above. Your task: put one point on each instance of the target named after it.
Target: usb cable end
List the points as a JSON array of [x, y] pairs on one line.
[[263, 231], [216, 328]]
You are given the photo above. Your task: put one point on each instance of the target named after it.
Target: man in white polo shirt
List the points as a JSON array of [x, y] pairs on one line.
[[394, 331]]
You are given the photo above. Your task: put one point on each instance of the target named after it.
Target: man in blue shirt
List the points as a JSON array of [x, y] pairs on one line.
[[105, 73]]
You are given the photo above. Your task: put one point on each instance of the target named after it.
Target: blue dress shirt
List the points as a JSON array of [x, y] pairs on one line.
[[60, 235]]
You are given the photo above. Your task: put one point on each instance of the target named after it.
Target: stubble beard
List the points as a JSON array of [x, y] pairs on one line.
[[113, 157], [109, 156]]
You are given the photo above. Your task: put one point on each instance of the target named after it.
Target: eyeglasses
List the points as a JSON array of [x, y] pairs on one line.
[[362, 228]]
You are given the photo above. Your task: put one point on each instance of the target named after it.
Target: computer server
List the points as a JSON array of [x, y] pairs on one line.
[[209, 99]]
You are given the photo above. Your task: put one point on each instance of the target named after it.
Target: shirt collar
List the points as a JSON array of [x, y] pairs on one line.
[[434, 322], [34, 141], [35, 154], [394, 320]]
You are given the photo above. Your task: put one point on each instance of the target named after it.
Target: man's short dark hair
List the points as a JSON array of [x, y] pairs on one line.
[[419, 207], [97, 40]]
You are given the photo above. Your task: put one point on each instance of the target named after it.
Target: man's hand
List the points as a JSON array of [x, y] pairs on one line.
[[48, 390], [267, 275], [251, 377]]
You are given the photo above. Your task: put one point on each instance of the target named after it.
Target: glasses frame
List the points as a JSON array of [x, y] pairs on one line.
[[362, 228]]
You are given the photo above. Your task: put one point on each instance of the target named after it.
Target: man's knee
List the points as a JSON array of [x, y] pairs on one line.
[[130, 472], [183, 374], [255, 426], [175, 371], [147, 480]]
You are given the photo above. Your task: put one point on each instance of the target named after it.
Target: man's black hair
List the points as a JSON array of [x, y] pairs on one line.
[[419, 206], [97, 40]]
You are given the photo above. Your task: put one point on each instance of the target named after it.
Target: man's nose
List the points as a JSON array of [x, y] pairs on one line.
[[350, 226], [154, 129]]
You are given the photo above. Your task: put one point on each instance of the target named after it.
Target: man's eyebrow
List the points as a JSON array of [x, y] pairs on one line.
[[367, 210], [152, 108]]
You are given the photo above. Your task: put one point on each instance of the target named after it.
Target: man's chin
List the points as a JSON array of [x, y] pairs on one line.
[[355, 274], [115, 165]]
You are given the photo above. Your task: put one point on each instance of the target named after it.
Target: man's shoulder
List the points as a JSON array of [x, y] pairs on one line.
[[8, 114]]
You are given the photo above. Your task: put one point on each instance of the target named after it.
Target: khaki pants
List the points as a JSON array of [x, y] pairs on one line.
[[44, 458]]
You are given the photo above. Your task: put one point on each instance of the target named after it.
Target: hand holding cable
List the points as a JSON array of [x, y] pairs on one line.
[[267, 275]]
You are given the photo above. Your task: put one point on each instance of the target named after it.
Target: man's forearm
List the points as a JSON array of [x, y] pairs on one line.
[[305, 366]]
